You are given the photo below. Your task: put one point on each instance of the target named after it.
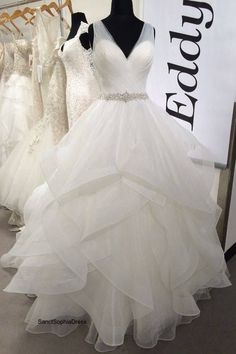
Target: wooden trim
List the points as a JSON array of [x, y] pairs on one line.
[[230, 253], [226, 184]]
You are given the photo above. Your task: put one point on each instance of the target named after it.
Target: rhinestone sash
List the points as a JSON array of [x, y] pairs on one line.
[[124, 97]]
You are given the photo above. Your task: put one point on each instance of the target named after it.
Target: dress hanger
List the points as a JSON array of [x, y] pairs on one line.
[[42, 8], [58, 9], [68, 4], [30, 11], [2, 23], [7, 18], [47, 8], [19, 13]]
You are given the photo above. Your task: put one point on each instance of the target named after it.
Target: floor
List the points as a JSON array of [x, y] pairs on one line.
[[213, 333]]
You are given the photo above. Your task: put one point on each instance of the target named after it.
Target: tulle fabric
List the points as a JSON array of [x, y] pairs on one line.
[[119, 234], [15, 113], [21, 172]]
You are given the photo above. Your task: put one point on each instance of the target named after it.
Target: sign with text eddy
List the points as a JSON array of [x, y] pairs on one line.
[[194, 71]]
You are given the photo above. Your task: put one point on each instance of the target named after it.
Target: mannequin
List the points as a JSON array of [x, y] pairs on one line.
[[122, 24], [76, 20]]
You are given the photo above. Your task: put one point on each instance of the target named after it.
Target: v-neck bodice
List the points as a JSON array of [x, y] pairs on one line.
[[117, 73]]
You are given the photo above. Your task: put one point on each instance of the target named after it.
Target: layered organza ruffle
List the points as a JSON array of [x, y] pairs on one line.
[[123, 232], [21, 173]]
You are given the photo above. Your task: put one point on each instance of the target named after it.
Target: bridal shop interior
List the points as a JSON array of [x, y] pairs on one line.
[[117, 176]]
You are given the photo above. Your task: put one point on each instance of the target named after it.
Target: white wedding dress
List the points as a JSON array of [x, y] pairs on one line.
[[21, 173], [7, 61], [16, 100], [123, 233], [81, 86]]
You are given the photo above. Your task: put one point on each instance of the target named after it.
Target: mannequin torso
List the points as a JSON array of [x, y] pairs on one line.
[[122, 24]]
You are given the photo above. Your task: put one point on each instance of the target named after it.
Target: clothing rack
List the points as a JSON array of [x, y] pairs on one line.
[[26, 2], [17, 3]]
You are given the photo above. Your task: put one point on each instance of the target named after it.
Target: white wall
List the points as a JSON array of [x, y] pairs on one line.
[[98, 9]]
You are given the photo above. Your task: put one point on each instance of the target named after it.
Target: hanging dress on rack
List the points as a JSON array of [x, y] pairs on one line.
[[8, 56], [123, 232], [16, 100], [21, 172], [81, 88]]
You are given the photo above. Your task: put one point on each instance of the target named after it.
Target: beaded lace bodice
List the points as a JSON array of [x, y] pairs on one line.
[[8, 61], [23, 49], [82, 88]]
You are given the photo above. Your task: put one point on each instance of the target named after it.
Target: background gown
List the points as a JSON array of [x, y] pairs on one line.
[[8, 63], [21, 173]]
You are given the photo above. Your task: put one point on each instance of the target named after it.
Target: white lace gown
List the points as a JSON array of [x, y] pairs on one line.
[[81, 87], [7, 60], [123, 233], [16, 99], [21, 173]]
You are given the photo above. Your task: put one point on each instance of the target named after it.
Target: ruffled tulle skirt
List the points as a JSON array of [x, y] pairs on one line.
[[123, 233], [15, 113], [21, 173]]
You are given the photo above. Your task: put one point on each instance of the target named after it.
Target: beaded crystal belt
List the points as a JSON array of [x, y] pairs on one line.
[[125, 97]]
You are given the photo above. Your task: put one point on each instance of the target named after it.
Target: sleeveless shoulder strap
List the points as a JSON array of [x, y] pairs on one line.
[[99, 32], [149, 32]]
